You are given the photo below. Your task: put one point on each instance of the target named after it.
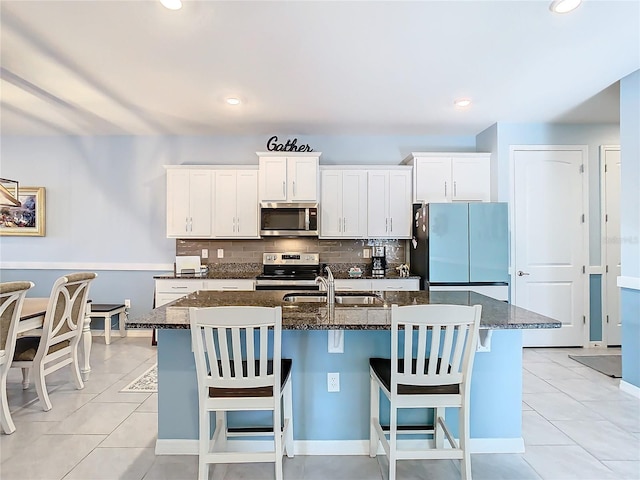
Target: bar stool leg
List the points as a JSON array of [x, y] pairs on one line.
[[107, 328], [85, 370], [121, 319]]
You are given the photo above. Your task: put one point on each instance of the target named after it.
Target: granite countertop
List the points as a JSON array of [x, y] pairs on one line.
[[317, 316]]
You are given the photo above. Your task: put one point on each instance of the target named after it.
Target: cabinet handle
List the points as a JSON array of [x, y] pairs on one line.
[[391, 223], [284, 191], [339, 224], [294, 187], [445, 188], [186, 224], [455, 189], [522, 274], [176, 288], [344, 224], [229, 287], [386, 225], [237, 224]]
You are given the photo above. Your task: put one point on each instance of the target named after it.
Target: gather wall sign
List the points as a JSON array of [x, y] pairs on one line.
[[290, 146]]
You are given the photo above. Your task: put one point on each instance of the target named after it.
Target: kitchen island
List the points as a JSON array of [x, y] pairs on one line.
[[337, 422]]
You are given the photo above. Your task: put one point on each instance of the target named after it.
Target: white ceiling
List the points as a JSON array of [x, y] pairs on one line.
[[303, 67]]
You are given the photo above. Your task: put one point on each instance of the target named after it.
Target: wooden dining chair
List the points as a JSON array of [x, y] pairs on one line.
[[11, 298], [432, 352], [231, 348], [57, 347]]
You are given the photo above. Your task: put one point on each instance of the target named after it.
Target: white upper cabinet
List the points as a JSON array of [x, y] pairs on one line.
[[236, 204], [189, 206], [343, 203], [389, 203], [292, 178], [451, 177]]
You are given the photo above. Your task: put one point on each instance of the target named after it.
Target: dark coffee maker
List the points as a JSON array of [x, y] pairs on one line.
[[378, 262]]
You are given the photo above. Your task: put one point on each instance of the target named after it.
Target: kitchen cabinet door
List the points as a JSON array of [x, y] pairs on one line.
[[247, 204], [433, 179], [343, 204], [189, 203], [400, 204], [389, 204], [236, 204], [377, 203], [289, 179], [331, 203], [354, 203], [471, 179], [273, 179], [448, 242], [302, 179]]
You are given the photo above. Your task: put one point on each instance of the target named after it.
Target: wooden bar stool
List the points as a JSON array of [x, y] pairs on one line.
[[106, 311]]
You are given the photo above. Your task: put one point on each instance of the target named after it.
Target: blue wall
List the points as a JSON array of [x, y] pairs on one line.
[[496, 388], [630, 225]]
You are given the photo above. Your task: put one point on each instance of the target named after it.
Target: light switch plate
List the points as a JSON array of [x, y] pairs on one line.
[[221, 253], [205, 253], [366, 253]]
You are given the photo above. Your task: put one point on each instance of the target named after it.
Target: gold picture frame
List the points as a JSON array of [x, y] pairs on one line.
[[28, 219]]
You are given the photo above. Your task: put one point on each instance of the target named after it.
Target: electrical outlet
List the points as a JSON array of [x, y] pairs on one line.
[[221, 253], [205, 253], [366, 253], [333, 382], [127, 303]]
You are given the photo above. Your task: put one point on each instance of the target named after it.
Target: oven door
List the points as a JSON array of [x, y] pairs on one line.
[[288, 219]]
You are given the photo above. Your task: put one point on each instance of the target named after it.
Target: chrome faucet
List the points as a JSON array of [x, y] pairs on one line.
[[329, 285]]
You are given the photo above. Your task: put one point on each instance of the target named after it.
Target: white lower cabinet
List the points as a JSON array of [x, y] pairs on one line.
[[377, 284], [168, 290], [230, 285]]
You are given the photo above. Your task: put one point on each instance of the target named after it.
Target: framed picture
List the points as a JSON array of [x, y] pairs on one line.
[[28, 219]]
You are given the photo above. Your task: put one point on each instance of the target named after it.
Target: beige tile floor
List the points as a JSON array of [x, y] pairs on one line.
[[577, 424]]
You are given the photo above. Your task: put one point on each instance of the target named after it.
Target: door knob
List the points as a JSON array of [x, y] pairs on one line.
[[522, 274]]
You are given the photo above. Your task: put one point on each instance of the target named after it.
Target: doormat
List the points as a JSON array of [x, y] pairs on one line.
[[610, 365], [145, 383]]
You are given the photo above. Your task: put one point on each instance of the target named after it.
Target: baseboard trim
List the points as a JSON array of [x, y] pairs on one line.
[[335, 447], [630, 388]]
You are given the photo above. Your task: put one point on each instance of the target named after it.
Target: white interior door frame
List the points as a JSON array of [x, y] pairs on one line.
[[585, 225], [604, 244]]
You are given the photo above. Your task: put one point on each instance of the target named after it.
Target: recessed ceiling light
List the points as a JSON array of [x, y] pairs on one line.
[[462, 102], [233, 101], [172, 4], [564, 6]]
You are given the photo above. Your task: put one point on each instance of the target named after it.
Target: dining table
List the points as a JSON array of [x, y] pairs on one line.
[[32, 318]]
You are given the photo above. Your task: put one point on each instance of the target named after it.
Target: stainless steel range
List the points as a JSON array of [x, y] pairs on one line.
[[289, 271]]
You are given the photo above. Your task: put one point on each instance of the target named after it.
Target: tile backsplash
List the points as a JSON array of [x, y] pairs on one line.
[[250, 251]]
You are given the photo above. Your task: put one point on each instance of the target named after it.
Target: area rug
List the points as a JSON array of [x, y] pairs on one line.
[[610, 365], [145, 383]]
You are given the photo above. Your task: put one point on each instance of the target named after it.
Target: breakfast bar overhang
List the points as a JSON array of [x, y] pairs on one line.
[[337, 423]]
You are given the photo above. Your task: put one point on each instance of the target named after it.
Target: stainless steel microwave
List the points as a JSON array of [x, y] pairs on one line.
[[288, 219]]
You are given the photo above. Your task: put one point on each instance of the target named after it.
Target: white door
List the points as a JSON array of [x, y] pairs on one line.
[[247, 203], [612, 245], [549, 249]]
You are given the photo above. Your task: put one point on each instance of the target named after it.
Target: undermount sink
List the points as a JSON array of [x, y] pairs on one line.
[[342, 298]]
